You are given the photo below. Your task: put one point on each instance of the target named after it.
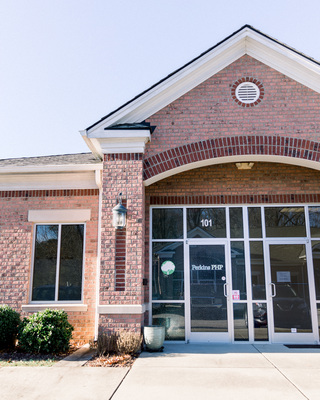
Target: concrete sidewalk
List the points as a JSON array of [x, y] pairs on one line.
[[182, 371], [224, 372]]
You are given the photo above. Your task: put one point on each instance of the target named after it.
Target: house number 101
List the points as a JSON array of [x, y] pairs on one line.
[[206, 222]]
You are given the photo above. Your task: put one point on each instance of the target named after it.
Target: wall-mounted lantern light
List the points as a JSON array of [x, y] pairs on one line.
[[119, 214]]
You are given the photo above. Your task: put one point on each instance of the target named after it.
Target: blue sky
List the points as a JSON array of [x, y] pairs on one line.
[[64, 64]]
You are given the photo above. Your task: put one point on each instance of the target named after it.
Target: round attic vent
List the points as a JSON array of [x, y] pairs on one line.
[[247, 92]]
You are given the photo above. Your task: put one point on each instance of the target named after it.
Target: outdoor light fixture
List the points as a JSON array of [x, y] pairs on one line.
[[244, 165], [119, 214]]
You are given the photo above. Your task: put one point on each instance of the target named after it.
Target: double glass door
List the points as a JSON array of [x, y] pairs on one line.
[[224, 308]]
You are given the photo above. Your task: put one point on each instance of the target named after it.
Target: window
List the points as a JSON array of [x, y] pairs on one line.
[[58, 262]]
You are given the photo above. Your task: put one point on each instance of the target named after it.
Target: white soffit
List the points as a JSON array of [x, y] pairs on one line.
[[118, 140], [49, 177], [72, 215], [246, 41]]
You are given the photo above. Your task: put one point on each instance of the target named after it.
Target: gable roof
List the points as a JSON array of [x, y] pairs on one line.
[[247, 40]]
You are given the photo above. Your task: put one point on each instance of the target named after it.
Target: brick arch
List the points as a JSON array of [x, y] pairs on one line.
[[283, 149]]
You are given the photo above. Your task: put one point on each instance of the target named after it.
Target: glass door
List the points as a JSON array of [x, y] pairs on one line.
[[209, 293], [289, 293]]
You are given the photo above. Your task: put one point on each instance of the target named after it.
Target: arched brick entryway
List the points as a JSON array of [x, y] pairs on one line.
[[229, 149]]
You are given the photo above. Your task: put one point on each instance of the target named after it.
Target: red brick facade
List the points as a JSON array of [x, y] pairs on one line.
[[122, 173], [195, 145], [16, 243], [208, 111]]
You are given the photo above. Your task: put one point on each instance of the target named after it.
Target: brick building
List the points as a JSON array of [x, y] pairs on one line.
[[218, 166]]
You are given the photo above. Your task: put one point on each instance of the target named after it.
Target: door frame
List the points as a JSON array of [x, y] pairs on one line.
[[288, 337], [214, 337]]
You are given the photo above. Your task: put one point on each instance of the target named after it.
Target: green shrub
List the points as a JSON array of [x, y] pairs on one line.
[[46, 331], [9, 326]]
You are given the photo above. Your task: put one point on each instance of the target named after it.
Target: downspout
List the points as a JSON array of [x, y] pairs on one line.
[[98, 180]]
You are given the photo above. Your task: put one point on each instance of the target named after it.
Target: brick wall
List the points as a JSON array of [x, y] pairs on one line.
[[16, 242], [288, 109], [122, 173]]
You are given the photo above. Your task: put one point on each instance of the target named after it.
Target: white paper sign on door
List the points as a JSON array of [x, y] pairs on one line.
[[283, 276]]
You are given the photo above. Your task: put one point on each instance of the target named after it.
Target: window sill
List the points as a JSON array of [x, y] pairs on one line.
[[56, 306]]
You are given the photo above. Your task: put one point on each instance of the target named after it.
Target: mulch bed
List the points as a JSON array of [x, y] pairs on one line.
[[112, 360]]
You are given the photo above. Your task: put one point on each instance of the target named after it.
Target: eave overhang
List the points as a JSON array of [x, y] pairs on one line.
[[50, 177]]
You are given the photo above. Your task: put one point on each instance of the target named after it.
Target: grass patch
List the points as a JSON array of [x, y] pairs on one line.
[[28, 363], [19, 358]]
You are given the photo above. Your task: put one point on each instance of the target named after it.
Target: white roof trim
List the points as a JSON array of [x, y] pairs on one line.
[[117, 140], [246, 41], [38, 168]]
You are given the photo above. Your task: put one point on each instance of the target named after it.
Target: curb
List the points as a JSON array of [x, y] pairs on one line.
[[78, 358]]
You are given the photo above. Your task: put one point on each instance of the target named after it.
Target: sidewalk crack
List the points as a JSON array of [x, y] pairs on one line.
[[275, 367], [119, 384]]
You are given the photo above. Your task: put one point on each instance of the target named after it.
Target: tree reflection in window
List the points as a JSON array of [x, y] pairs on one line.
[[285, 222], [51, 240], [206, 222], [167, 223]]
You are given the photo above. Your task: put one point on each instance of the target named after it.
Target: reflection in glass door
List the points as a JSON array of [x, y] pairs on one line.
[[208, 292], [289, 290]]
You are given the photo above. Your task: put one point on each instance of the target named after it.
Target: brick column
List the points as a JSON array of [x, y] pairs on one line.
[[122, 253]]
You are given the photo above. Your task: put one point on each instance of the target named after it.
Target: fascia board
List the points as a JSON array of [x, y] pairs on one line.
[[131, 134], [119, 140], [285, 61], [179, 84], [44, 169], [49, 181]]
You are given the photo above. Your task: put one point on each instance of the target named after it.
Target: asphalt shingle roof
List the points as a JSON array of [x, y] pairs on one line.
[[64, 159]]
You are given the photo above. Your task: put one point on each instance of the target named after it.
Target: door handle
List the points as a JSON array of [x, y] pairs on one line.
[[274, 291], [225, 290]]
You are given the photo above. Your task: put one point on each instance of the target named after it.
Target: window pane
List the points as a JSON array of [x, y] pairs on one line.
[[238, 269], [260, 321], [257, 271], [167, 271], [316, 265], [236, 222], [240, 316], [314, 217], [167, 223], [45, 262], [255, 227], [206, 222], [71, 257], [285, 222], [172, 317], [291, 301]]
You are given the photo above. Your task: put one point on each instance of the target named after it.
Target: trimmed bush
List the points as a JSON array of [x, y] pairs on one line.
[[9, 326], [106, 343], [123, 342], [129, 342], [46, 331]]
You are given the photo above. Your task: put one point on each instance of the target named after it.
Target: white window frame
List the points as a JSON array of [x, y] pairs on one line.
[[56, 301]]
